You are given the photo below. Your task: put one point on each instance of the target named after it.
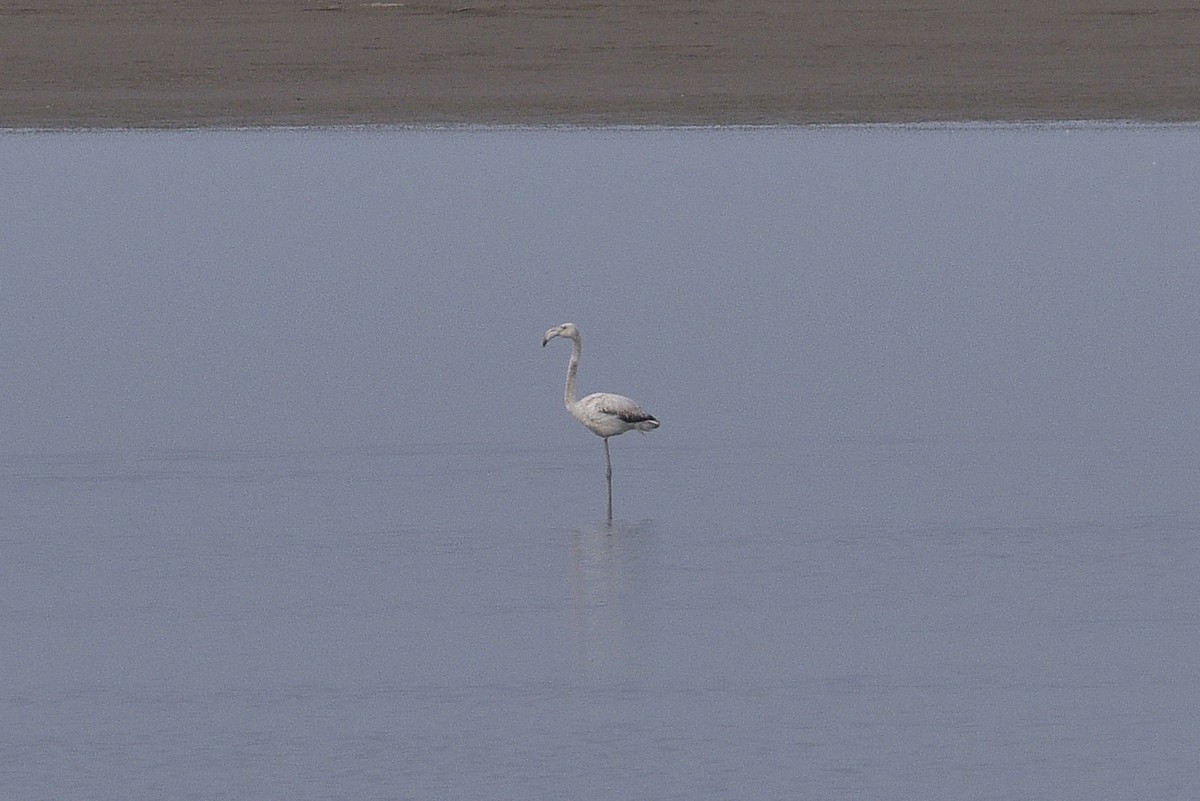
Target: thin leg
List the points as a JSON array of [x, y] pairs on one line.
[[608, 475]]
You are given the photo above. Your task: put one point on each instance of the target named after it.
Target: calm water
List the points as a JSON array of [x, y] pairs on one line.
[[290, 507]]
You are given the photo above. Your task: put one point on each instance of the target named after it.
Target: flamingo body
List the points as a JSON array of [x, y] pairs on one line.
[[608, 415]]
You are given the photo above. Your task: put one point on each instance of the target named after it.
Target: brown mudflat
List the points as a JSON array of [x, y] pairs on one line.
[[147, 63]]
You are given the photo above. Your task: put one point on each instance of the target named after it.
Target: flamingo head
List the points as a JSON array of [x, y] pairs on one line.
[[567, 330]]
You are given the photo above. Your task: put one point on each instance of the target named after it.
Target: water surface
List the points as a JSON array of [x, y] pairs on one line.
[[290, 507]]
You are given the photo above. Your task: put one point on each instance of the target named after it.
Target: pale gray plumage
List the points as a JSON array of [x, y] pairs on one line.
[[604, 413]]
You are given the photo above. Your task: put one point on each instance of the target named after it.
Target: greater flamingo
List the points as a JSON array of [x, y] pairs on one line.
[[605, 414]]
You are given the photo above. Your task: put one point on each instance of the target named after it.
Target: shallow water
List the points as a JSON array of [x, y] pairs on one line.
[[290, 507]]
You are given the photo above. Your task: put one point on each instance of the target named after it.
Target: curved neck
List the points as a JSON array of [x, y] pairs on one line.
[[572, 370]]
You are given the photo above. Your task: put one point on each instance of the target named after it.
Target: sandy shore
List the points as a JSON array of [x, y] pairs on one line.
[[117, 63]]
